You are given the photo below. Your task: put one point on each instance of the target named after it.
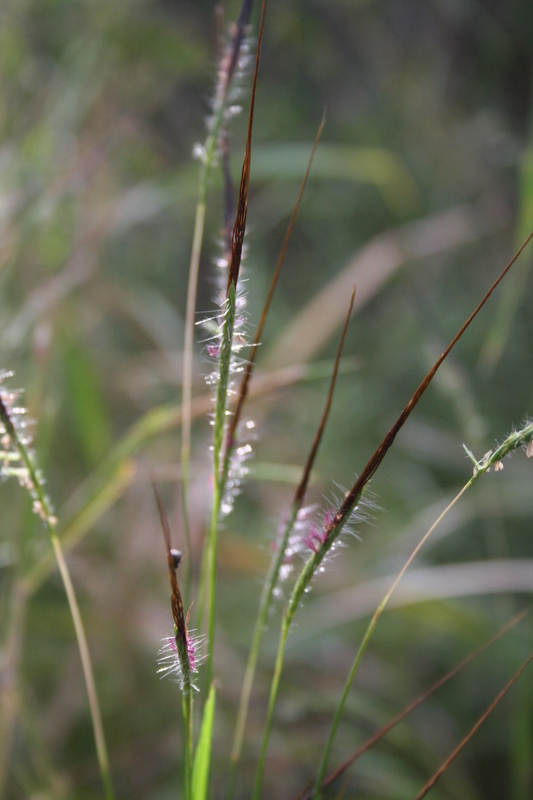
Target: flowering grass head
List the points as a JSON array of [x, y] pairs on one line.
[[16, 456], [180, 654], [171, 661], [519, 439]]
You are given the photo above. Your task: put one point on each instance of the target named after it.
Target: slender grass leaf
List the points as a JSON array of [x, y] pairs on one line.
[[202, 757]]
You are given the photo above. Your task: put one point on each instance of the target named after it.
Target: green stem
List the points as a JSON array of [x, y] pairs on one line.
[[207, 160], [366, 639], [264, 605], [194, 267], [285, 626], [219, 479], [188, 728], [45, 511], [101, 749], [299, 588], [211, 572]]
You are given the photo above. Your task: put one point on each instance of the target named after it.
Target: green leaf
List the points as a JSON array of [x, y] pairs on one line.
[[88, 407], [202, 757]]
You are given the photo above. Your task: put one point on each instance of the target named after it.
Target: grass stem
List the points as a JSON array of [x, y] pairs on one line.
[[101, 749], [512, 442], [366, 639], [208, 157], [43, 506], [431, 783], [272, 576]]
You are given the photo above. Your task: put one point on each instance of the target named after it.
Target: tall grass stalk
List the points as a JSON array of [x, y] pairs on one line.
[[245, 383], [307, 793], [30, 477], [431, 783], [208, 155], [218, 479], [278, 557], [493, 459], [334, 527], [224, 363], [179, 649]]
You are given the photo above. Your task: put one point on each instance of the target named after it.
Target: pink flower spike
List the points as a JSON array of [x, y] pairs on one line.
[[191, 650], [329, 516], [314, 539]]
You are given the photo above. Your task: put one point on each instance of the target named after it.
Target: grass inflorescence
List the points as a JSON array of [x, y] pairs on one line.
[[20, 460], [304, 534]]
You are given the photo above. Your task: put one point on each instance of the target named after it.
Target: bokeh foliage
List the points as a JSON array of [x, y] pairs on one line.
[[423, 185]]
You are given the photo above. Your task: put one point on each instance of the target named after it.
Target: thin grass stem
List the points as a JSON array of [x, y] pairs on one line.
[[9, 702], [333, 776], [431, 783], [352, 498], [277, 560], [366, 639], [218, 480], [180, 647], [101, 749], [43, 507], [278, 669], [209, 152], [257, 637], [512, 442], [224, 364]]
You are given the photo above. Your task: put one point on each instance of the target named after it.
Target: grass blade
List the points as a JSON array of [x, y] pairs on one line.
[[275, 566], [333, 527], [237, 239], [42, 506], [333, 776], [243, 389], [431, 783], [227, 72], [202, 756], [511, 443]]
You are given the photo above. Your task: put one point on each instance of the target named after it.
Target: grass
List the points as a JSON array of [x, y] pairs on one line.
[[337, 681]]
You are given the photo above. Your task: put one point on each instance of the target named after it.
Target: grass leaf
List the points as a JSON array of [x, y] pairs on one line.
[[202, 757]]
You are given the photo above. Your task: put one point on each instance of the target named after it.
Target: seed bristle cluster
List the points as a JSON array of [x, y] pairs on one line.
[[226, 369], [16, 456], [312, 529], [518, 439], [233, 66], [171, 661]]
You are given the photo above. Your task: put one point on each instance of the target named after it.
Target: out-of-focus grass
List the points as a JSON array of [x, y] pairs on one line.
[[100, 105]]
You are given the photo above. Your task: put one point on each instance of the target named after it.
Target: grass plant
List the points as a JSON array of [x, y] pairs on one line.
[[236, 764], [20, 462]]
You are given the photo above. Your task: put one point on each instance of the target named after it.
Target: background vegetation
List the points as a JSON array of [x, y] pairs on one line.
[[421, 188]]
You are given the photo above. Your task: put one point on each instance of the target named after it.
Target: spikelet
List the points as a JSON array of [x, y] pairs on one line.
[[16, 455], [521, 438], [172, 662], [233, 66]]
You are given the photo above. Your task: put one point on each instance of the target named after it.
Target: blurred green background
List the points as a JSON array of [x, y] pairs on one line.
[[421, 189]]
